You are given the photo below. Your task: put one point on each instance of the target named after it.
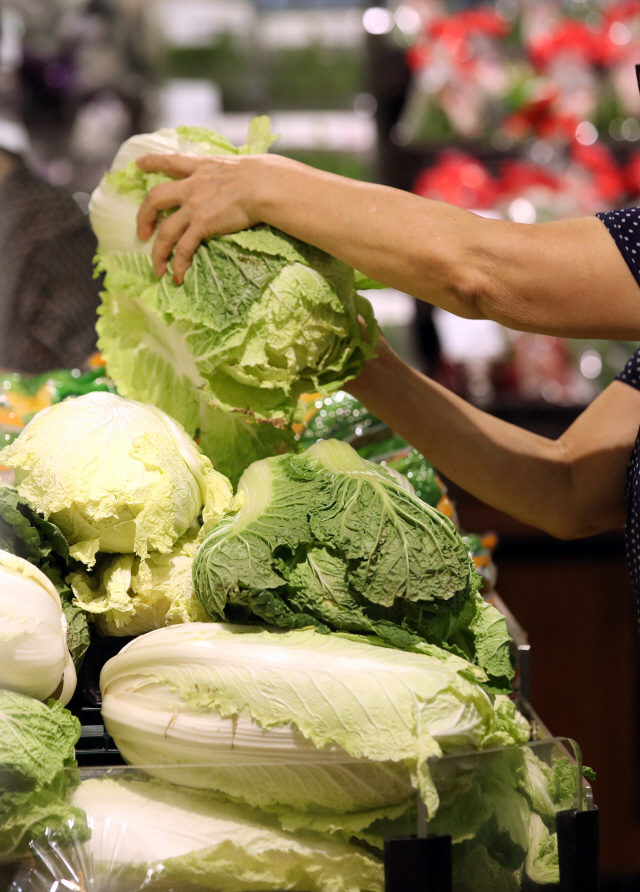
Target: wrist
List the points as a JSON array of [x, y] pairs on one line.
[[381, 373], [262, 178]]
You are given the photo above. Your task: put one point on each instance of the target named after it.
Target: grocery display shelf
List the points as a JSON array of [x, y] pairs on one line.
[[420, 862], [415, 864]]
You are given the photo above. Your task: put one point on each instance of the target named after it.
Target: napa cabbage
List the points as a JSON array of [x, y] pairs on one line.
[[329, 727], [24, 533], [34, 658], [260, 319], [147, 832], [37, 774], [114, 475], [129, 595], [330, 540]]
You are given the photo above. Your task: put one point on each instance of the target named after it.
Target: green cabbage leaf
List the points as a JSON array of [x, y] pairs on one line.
[[329, 540], [36, 776], [114, 475], [129, 595], [260, 319]]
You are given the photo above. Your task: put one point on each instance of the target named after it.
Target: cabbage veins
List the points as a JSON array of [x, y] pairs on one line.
[[114, 475], [330, 540], [260, 319]]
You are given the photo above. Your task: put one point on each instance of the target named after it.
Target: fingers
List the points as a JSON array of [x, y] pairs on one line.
[[169, 232], [160, 198], [185, 249], [175, 164]]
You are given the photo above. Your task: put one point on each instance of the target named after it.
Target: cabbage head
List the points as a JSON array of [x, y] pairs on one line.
[[114, 475], [129, 595], [320, 729], [260, 319], [329, 540], [37, 759], [34, 658]]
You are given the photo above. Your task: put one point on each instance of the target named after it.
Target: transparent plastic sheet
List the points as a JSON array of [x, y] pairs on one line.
[[134, 831], [499, 807]]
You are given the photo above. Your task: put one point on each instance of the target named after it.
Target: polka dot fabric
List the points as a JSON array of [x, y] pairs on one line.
[[624, 226], [631, 376]]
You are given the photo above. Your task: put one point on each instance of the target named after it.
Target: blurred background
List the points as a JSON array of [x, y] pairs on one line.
[[527, 110]]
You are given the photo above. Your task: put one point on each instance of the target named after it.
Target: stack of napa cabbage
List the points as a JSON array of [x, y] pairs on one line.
[[128, 489], [129, 832], [260, 319], [325, 637]]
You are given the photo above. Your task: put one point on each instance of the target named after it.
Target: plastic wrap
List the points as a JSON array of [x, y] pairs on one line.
[[127, 830]]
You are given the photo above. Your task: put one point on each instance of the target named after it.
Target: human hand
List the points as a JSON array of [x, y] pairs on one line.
[[213, 196]]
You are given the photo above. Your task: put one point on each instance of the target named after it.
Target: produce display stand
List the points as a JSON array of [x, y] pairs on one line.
[[421, 862], [424, 864]]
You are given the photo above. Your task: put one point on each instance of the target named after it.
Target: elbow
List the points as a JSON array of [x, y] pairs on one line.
[[568, 529], [487, 278], [570, 523]]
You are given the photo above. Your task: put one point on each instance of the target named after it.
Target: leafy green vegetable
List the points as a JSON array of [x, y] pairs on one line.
[[133, 482], [329, 540], [34, 658], [146, 831], [342, 417], [500, 809], [25, 533], [260, 319], [36, 755], [474, 870], [328, 727], [542, 864], [365, 283], [128, 595]]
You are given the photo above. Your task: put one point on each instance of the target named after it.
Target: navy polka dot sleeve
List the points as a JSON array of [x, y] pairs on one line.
[[624, 226], [631, 376]]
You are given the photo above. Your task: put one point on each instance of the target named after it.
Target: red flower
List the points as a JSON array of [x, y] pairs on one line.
[[459, 179]]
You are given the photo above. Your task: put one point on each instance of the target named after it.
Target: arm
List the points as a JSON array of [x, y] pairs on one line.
[[565, 278], [570, 487]]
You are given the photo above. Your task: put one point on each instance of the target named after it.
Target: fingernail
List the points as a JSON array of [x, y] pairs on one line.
[[175, 279]]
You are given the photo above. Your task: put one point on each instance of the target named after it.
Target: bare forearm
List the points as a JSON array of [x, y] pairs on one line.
[[570, 487], [565, 278], [404, 241]]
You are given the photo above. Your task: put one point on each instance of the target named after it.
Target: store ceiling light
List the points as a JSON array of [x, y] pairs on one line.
[[377, 20]]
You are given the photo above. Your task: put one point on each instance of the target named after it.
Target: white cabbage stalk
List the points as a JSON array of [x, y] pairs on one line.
[[115, 475], [297, 720], [543, 863], [131, 595], [34, 658], [149, 831], [113, 215]]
